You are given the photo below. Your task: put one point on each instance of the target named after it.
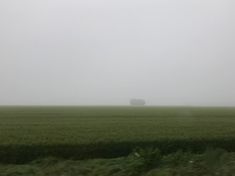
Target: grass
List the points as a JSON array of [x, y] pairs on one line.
[[27, 133], [209, 163]]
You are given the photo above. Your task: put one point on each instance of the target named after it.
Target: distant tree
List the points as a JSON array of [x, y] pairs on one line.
[[137, 102]]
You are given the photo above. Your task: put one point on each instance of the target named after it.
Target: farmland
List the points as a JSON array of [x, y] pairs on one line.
[[28, 133]]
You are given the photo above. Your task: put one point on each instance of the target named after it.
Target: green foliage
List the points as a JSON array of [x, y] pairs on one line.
[[141, 164], [178, 158], [27, 133], [148, 157]]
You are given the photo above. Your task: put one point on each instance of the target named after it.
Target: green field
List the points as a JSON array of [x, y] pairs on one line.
[[27, 133]]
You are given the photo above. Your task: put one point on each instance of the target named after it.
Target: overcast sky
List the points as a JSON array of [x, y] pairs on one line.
[[104, 52]]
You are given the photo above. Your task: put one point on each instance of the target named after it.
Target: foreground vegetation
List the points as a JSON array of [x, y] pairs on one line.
[[141, 162], [28, 133]]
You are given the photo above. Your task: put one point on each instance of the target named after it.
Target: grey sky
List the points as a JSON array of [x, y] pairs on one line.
[[85, 52]]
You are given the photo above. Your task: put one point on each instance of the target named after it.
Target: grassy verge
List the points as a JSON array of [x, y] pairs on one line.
[[26, 153], [144, 162]]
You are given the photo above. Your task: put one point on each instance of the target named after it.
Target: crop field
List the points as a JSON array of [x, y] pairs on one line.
[[27, 133]]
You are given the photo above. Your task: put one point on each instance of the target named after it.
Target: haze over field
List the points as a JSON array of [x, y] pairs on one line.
[[104, 52]]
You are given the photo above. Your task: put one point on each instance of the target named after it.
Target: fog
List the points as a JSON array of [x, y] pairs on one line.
[[105, 52]]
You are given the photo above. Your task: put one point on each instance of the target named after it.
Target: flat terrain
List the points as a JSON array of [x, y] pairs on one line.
[[88, 132]]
